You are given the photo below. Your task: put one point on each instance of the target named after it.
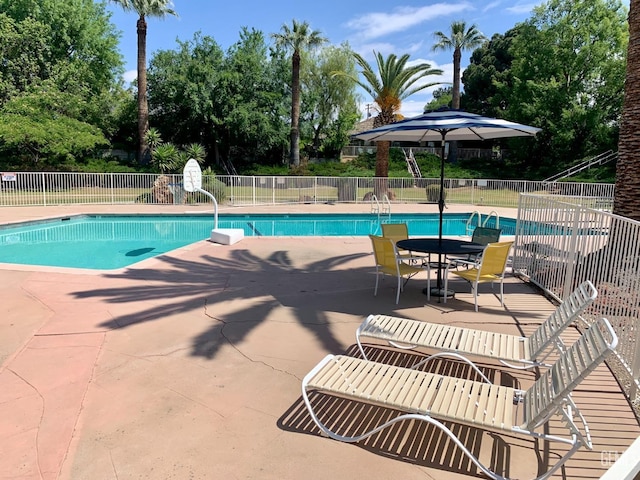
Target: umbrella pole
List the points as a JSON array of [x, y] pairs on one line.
[[441, 210]]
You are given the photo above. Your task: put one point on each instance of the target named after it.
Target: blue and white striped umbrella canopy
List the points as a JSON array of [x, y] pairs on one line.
[[447, 125]]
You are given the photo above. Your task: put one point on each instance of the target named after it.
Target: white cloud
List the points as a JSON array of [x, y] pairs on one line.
[[367, 50], [521, 8], [414, 47], [446, 77], [130, 76], [378, 24], [385, 48], [413, 108], [490, 6]]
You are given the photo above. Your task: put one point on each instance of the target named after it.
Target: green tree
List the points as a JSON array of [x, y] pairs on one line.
[[628, 166], [460, 38], [488, 69], [328, 101], [184, 88], [254, 101], [37, 134], [59, 62], [144, 9], [296, 39], [24, 49], [57, 40], [233, 104], [393, 82], [567, 78], [441, 98]]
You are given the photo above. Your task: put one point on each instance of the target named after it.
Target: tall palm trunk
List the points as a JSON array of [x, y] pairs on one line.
[[143, 108], [455, 94], [381, 186], [628, 167], [294, 154], [455, 100]]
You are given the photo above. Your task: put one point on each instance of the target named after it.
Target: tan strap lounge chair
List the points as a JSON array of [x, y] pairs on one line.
[[436, 398], [458, 342]]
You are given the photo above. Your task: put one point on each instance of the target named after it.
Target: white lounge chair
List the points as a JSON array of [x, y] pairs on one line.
[[436, 398], [458, 342]]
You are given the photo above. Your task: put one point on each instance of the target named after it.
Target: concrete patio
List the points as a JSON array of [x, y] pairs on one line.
[[189, 365]]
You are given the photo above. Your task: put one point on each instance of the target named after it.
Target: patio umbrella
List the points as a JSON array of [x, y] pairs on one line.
[[443, 125]]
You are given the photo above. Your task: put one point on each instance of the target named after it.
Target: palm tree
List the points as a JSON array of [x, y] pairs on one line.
[[144, 8], [393, 83], [297, 38], [462, 38], [628, 167]]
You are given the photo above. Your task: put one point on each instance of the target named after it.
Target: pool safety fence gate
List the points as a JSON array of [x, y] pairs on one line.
[[54, 188], [560, 243]]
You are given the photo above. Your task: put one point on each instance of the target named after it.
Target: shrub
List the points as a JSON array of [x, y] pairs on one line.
[[145, 198], [433, 193], [215, 187]]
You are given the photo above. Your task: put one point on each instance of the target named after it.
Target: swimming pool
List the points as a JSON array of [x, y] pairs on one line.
[[107, 242]]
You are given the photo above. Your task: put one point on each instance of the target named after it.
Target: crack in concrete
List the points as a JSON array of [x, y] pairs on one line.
[[196, 401], [113, 464], [39, 421], [222, 333]]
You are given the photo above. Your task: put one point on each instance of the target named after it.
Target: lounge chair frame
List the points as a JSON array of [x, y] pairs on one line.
[[457, 342], [435, 398]]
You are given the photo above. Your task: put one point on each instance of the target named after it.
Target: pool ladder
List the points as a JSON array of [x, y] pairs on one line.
[[478, 216], [384, 209]]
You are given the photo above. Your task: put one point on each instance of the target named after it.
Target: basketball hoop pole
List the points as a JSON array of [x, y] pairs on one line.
[[215, 206], [192, 175]]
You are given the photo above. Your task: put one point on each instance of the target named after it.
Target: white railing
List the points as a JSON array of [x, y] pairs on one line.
[[560, 243], [47, 188]]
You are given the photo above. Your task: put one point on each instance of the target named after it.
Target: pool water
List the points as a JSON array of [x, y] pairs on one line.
[[114, 241]]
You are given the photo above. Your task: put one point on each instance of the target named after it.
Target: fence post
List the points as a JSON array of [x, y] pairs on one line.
[[253, 190], [572, 250], [273, 190], [315, 189], [473, 191], [44, 190], [635, 373]]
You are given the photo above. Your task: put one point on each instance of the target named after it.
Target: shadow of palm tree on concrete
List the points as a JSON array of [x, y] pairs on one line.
[[263, 284], [233, 290]]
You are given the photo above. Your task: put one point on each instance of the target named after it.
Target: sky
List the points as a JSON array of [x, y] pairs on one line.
[[374, 25]]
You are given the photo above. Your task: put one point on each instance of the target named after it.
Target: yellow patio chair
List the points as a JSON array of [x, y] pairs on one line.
[[389, 262], [493, 263], [397, 232], [482, 236]]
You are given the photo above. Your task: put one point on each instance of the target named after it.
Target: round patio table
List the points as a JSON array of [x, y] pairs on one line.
[[441, 246]]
